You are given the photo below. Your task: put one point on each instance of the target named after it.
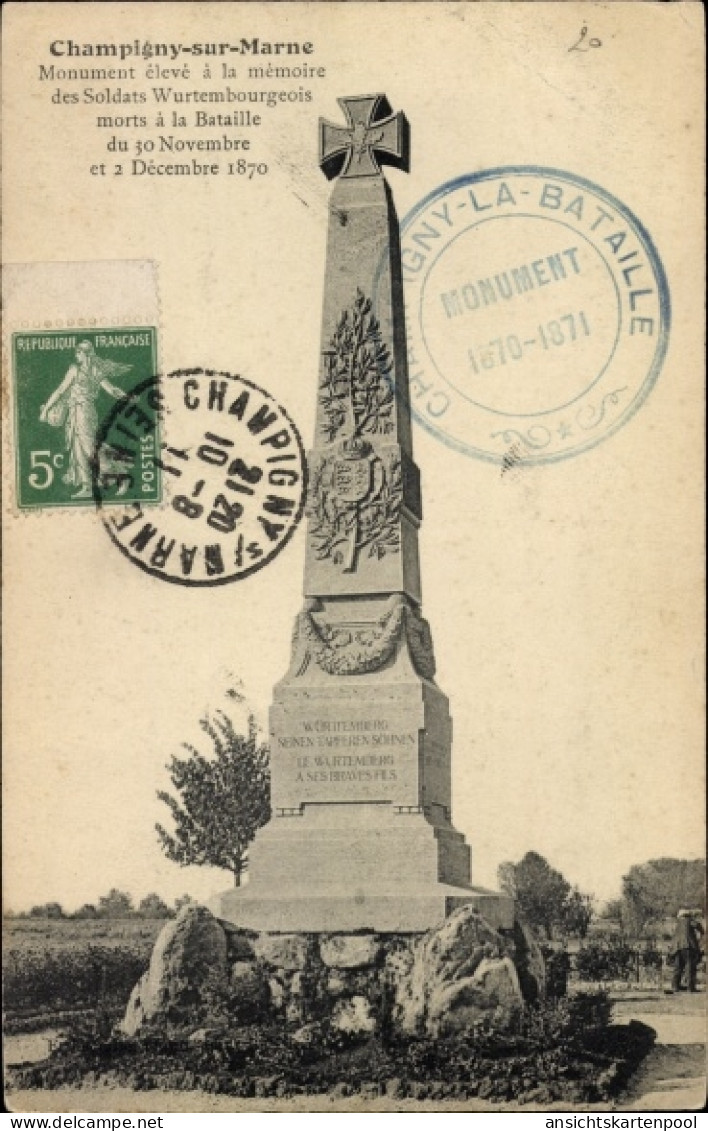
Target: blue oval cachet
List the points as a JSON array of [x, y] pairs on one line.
[[537, 314]]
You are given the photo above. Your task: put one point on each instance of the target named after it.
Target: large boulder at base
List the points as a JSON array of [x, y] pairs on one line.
[[444, 981], [188, 963], [493, 988], [439, 978]]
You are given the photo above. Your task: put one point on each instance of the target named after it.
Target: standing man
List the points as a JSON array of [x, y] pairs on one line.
[[686, 951]]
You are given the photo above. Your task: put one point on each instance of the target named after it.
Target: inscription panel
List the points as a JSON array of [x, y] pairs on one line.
[[359, 756]]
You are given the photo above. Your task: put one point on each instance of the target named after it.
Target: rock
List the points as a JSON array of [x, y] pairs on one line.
[[530, 963], [277, 992], [251, 994], [498, 979], [288, 952], [458, 946], [307, 1035], [457, 1008], [353, 1015], [349, 951], [240, 946], [294, 1012], [188, 963], [336, 985], [463, 1004], [296, 999], [441, 977], [134, 1015], [405, 975], [200, 1036], [394, 1087]]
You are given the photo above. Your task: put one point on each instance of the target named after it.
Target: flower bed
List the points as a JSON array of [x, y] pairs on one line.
[[564, 1051]]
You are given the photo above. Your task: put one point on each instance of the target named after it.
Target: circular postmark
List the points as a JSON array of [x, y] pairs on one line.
[[229, 468], [537, 314]]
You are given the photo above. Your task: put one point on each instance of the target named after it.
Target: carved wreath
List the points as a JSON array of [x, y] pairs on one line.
[[356, 650]]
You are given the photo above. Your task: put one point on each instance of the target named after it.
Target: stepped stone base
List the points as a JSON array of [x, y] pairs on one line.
[[358, 868], [398, 909]]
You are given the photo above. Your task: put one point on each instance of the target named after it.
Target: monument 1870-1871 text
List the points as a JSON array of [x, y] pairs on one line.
[[361, 835]]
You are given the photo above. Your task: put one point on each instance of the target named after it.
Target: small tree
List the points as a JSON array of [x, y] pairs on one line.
[[116, 905], [657, 890], [577, 913], [153, 907], [224, 799], [544, 897]]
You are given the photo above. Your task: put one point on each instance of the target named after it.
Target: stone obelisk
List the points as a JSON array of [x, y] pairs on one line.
[[361, 835]]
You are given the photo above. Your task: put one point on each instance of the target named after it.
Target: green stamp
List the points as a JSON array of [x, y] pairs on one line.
[[66, 382]]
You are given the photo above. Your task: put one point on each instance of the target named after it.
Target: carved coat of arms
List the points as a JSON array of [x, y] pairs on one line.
[[355, 502]]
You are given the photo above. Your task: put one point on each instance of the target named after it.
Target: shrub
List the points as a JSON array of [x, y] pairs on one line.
[[651, 957], [557, 970], [38, 981], [605, 960]]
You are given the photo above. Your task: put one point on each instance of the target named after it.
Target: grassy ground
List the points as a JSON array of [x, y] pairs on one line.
[[53, 968], [61, 934]]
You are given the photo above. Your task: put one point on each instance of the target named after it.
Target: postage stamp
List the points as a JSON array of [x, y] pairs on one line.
[[234, 473], [64, 381], [537, 313]]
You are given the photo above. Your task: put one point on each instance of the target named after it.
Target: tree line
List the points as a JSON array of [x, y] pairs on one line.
[[115, 905], [652, 893]]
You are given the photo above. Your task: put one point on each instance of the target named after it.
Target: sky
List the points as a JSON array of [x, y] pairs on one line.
[[573, 730]]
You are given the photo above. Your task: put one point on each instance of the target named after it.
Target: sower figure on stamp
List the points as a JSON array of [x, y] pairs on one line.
[[73, 404], [686, 952]]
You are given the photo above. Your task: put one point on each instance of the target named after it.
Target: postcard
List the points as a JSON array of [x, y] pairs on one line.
[[353, 488]]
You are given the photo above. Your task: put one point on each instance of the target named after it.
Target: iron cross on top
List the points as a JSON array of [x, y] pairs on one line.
[[374, 136]]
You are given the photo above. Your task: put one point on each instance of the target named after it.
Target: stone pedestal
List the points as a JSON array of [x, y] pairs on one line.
[[361, 835]]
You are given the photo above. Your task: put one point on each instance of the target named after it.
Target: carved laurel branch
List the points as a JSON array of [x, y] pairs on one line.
[[356, 389], [356, 650]]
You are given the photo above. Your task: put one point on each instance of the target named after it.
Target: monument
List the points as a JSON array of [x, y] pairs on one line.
[[361, 836]]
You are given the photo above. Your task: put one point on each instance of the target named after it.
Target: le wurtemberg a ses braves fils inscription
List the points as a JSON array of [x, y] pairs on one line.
[[360, 731]]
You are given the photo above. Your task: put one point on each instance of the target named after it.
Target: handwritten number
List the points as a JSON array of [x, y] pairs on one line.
[[581, 46]]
